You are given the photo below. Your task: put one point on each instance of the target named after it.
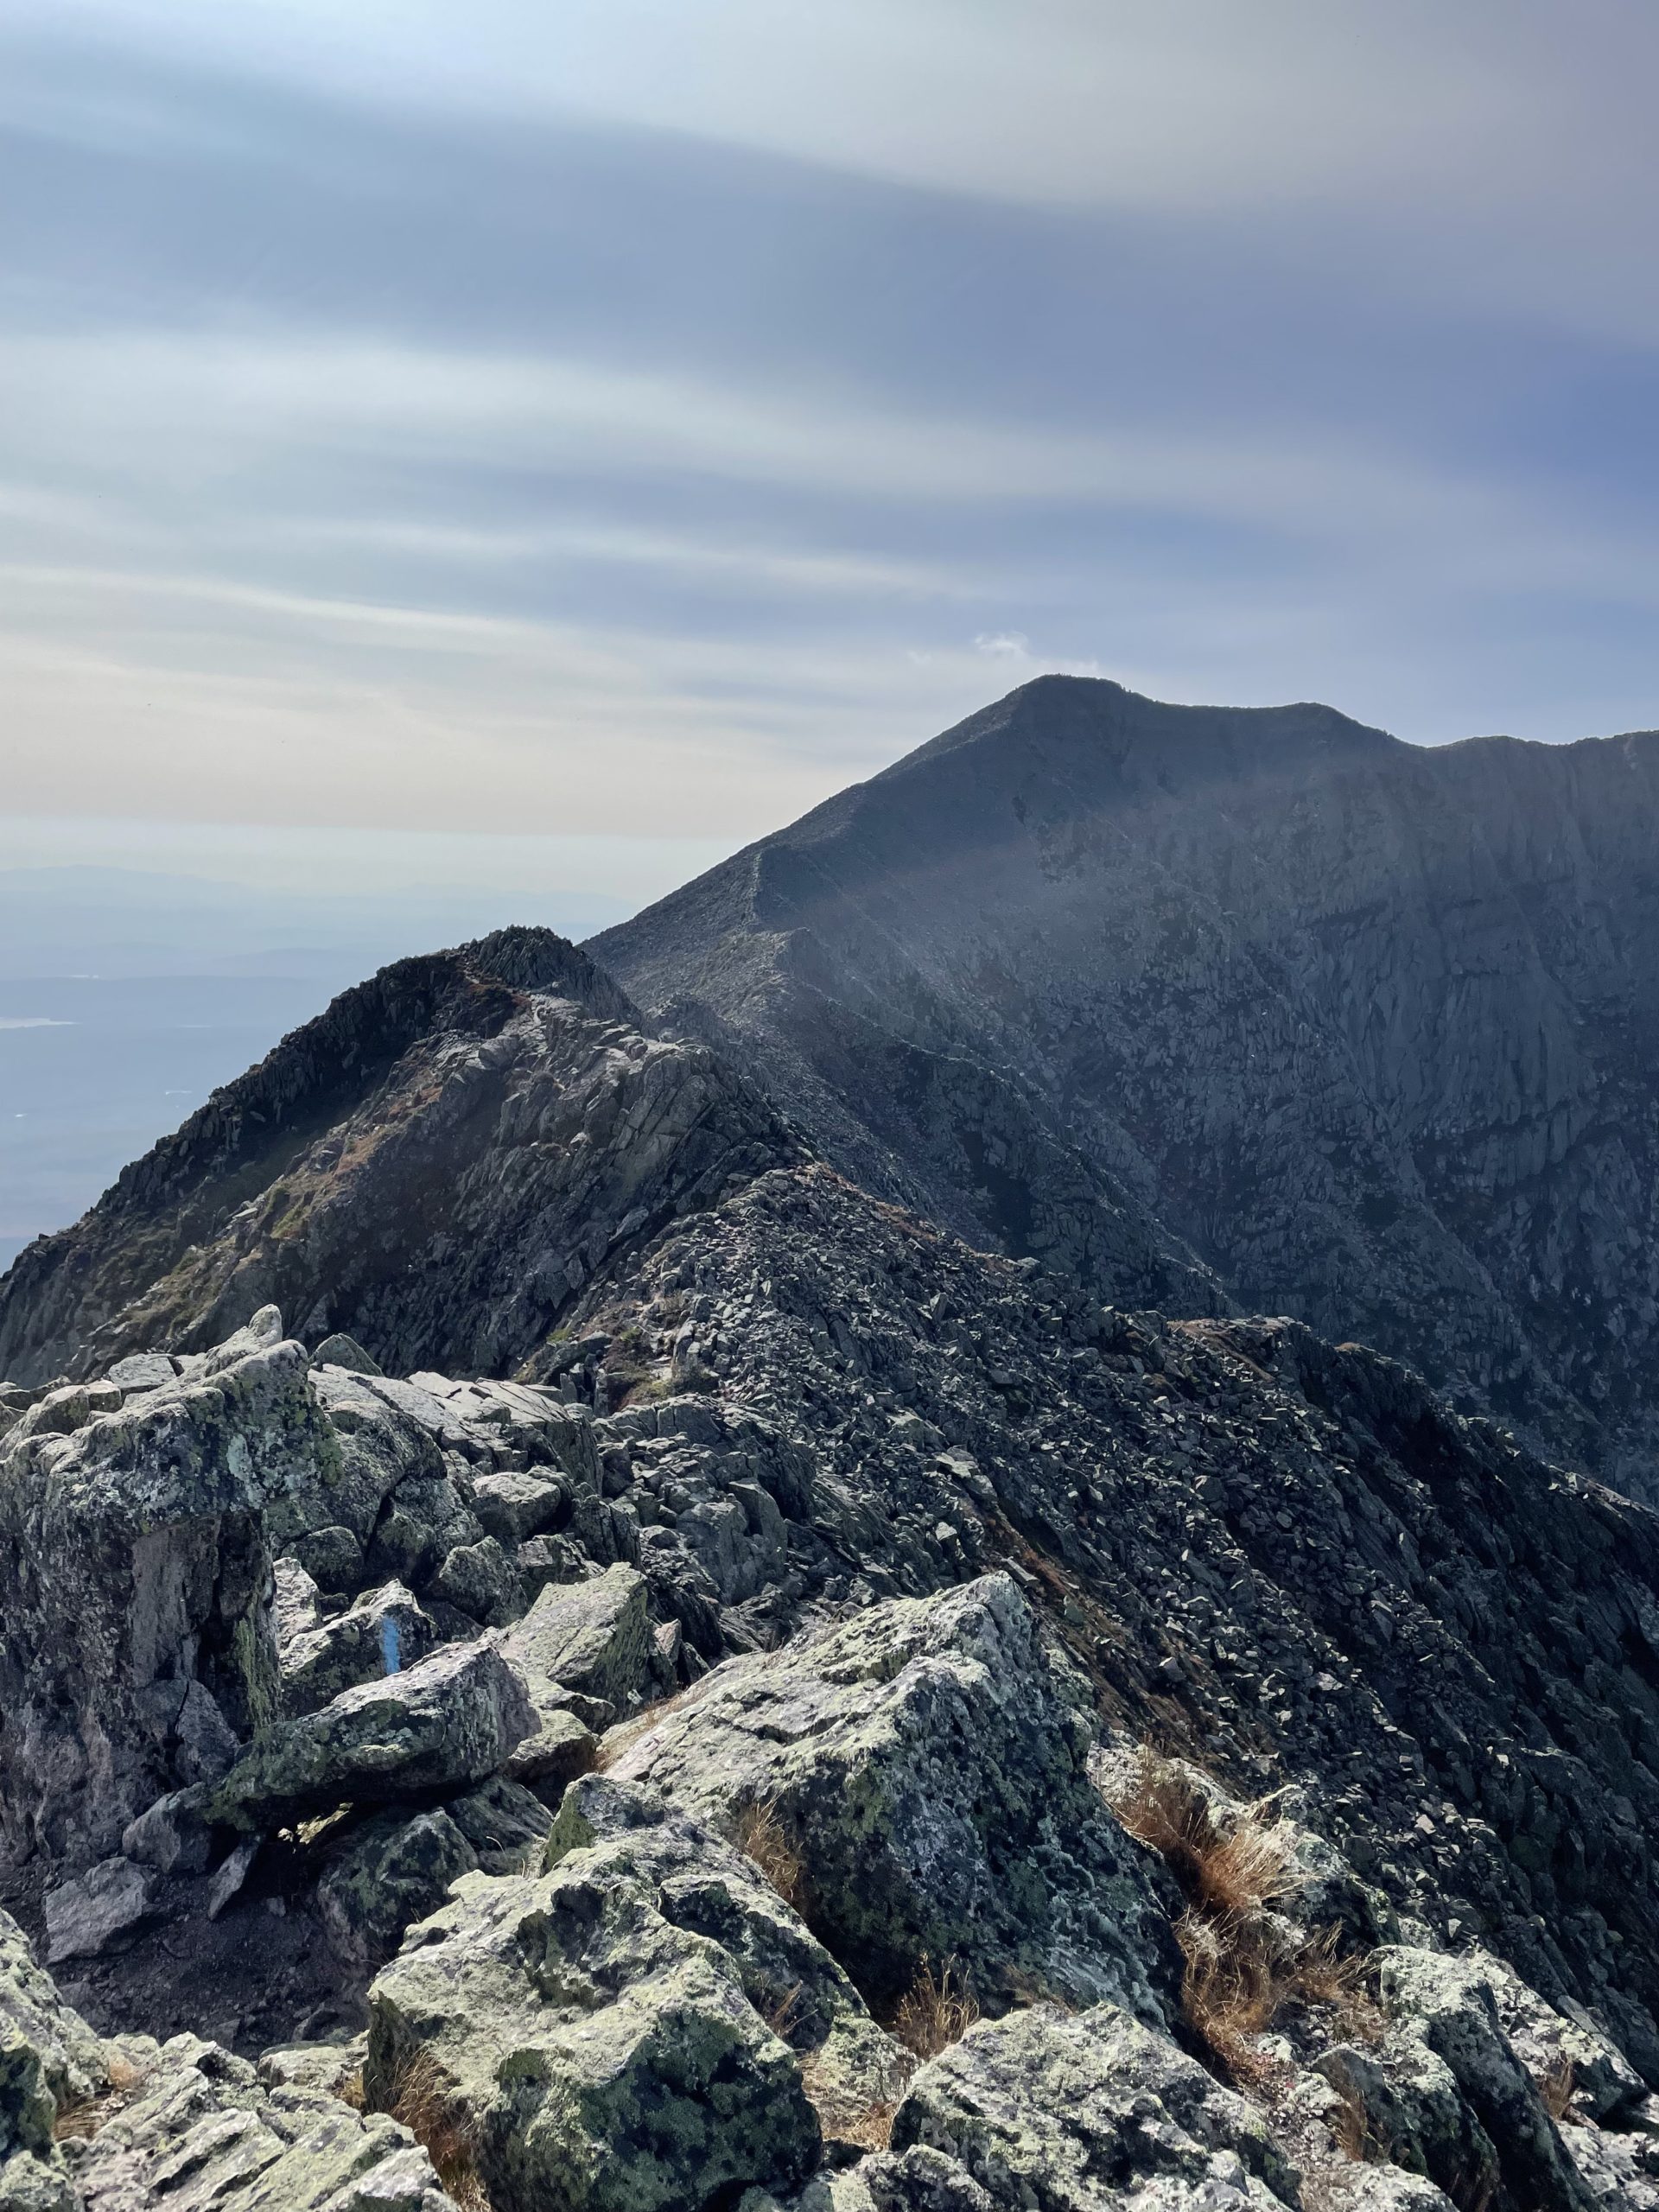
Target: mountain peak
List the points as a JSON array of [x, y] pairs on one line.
[[1231, 1004]]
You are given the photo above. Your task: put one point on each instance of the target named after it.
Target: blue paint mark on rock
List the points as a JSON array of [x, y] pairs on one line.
[[389, 1649]]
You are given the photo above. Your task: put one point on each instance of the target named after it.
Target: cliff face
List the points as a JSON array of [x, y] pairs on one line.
[[1252, 1007], [436, 1163]]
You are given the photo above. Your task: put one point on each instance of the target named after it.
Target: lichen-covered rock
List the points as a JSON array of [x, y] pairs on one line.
[[560, 1747], [517, 1505], [48, 2056], [592, 1636], [927, 1767], [134, 1638], [1083, 2113], [1445, 2094], [478, 1579], [452, 1720], [604, 2027], [1447, 2006], [394, 1870], [201, 2129], [342, 1350], [1576, 2053], [385, 1632]]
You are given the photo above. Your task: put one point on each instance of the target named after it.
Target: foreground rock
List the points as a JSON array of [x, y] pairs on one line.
[[453, 1720], [137, 2127], [136, 1648], [1077, 2112], [926, 1772], [603, 2030]]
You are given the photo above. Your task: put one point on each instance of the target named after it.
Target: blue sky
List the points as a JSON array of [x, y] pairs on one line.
[[614, 420]]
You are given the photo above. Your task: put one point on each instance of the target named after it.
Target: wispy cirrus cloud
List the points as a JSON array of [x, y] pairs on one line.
[[668, 411]]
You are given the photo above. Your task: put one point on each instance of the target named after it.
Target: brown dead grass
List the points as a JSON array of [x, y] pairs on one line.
[[79, 2121], [422, 2098], [1242, 1967], [1351, 2128], [760, 1835], [1235, 1870], [935, 2011], [1556, 2085], [617, 1742]]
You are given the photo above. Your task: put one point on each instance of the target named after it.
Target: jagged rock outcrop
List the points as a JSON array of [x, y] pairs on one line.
[[1060, 2109], [135, 1646], [1263, 1007], [132, 2125], [432, 1166], [606, 2029]]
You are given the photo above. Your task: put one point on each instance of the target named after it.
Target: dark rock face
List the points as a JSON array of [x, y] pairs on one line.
[[432, 1166], [1260, 1007], [135, 1646]]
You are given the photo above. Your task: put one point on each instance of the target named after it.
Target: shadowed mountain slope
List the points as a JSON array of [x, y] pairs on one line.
[[1251, 1007]]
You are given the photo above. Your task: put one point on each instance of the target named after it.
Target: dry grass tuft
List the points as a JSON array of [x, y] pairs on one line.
[[761, 1836], [1244, 1964], [1239, 1870], [935, 2011], [1472, 2188], [351, 2090], [869, 2127], [423, 2098], [1556, 2085], [617, 1742], [78, 2121]]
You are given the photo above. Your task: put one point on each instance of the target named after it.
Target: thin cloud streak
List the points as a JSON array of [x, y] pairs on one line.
[[636, 409]]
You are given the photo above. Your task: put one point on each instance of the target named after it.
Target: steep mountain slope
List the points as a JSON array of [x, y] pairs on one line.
[[436, 1163], [1253, 1008]]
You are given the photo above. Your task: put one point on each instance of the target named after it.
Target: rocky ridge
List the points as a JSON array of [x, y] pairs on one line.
[[1224, 1010], [631, 1777], [657, 1676]]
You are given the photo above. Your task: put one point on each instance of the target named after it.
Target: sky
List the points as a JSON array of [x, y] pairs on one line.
[[571, 437]]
